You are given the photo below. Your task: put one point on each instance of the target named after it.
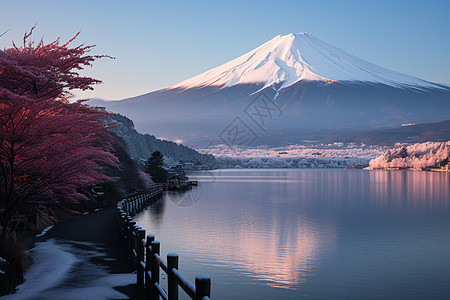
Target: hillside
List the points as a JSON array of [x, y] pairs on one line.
[[292, 88], [420, 133], [140, 146]]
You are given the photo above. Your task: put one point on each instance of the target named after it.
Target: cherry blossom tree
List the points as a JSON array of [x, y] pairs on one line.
[[49, 148]]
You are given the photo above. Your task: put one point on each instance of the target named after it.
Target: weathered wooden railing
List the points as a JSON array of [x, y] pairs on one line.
[[144, 254]]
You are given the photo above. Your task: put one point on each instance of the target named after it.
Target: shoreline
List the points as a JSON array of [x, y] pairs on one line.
[[100, 228], [409, 169]]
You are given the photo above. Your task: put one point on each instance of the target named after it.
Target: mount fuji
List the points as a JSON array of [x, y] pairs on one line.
[[292, 88], [287, 59]]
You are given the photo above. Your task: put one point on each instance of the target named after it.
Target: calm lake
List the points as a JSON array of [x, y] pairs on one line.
[[310, 233]]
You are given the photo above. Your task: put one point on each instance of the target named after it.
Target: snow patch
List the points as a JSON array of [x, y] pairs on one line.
[[50, 263], [70, 270], [44, 232]]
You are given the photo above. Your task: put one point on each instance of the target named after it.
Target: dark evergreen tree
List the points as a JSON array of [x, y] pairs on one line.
[[126, 174], [154, 167]]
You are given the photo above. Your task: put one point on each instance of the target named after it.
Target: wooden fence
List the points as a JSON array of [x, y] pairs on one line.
[[144, 253]]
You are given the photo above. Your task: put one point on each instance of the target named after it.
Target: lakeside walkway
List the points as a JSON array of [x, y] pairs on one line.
[[93, 243]]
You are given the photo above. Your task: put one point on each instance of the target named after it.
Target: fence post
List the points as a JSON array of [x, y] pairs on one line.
[[202, 287], [135, 246], [129, 237], [122, 220], [172, 285], [125, 235], [148, 263], [154, 268], [140, 252], [131, 242]]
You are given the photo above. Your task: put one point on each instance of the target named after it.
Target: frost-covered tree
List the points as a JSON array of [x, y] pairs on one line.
[[418, 156], [49, 148]]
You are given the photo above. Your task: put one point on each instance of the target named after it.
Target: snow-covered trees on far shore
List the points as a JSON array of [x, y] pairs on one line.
[[416, 156]]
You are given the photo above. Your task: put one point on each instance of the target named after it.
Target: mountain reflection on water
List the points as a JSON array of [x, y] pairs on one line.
[[311, 233]]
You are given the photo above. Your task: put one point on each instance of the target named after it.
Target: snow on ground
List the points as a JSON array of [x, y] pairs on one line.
[[336, 155], [45, 231], [335, 150], [67, 270], [2, 262]]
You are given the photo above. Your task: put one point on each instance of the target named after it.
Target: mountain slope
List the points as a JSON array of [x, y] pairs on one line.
[[292, 88], [287, 59], [420, 133]]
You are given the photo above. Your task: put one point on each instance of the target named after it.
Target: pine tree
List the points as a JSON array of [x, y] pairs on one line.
[[154, 167]]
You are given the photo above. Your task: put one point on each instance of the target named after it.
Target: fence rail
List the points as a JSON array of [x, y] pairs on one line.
[[144, 253]]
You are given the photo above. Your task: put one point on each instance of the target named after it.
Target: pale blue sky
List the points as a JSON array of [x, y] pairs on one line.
[[160, 43]]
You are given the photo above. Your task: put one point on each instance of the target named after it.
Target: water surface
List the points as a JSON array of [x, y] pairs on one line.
[[311, 234]]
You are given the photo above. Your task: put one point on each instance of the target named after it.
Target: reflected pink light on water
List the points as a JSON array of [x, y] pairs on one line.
[[280, 227], [421, 189], [284, 268], [281, 261]]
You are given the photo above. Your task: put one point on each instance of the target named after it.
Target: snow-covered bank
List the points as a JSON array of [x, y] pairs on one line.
[[44, 232], [65, 270], [288, 162], [295, 156], [417, 156]]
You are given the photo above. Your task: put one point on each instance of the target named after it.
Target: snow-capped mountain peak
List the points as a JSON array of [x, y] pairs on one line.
[[287, 59]]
